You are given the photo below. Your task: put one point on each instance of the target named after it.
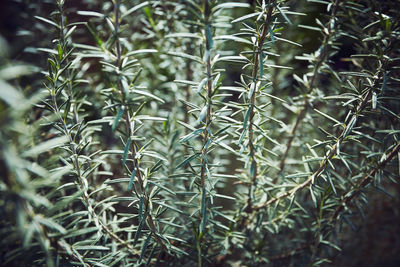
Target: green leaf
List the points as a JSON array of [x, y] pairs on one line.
[[187, 56], [229, 5], [209, 38], [46, 146], [187, 160], [271, 34], [141, 51], [147, 94], [144, 247], [10, 95], [162, 187], [374, 100], [384, 83], [234, 59], [253, 168], [79, 232], [184, 35], [350, 126], [201, 85], [90, 14], [120, 112], [261, 61], [132, 179], [141, 203], [203, 114], [327, 116], [50, 224], [330, 182], [203, 211], [66, 109], [245, 124], [310, 28], [283, 14], [149, 118], [232, 38], [91, 247], [133, 9], [162, 203], [314, 199], [139, 230], [126, 150], [150, 257], [191, 135], [16, 70], [246, 17], [52, 23], [69, 33]]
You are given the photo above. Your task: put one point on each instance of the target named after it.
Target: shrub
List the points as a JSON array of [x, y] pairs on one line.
[[195, 132]]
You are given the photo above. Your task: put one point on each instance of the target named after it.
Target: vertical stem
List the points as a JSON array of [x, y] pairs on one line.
[[85, 195], [189, 77], [256, 63], [300, 117], [129, 126], [117, 43], [63, 44], [206, 133], [209, 110]]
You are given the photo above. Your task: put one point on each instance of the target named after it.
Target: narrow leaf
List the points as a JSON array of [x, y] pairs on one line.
[[133, 9], [132, 179], [145, 244], [126, 150], [203, 210], [246, 17], [203, 114], [120, 112], [47, 21]]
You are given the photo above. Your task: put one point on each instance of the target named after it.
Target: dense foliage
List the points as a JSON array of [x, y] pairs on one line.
[[194, 132]]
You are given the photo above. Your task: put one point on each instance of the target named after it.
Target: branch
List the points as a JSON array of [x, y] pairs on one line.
[[256, 64], [367, 179], [75, 162], [130, 128], [305, 106], [332, 152]]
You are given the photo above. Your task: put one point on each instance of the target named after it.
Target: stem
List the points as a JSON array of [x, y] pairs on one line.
[[189, 77], [304, 109], [64, 46], [324, 163], [129, 126], [206, 133], [75, 160], [85, 195], [116, 25], [256, 63], [58, 244], [208, 117], [367, 179], [199, 259]]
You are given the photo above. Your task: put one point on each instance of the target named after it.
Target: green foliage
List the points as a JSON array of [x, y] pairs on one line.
[[204, 133]]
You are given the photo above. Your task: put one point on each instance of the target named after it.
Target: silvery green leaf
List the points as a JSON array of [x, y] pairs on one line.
[[132, 179], [133, 9], [203, 114]]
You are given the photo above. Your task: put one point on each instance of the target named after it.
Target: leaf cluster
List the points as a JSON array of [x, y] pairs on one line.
[[207, 133]]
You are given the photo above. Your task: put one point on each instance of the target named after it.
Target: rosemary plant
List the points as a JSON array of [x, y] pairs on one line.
[[197, 132]]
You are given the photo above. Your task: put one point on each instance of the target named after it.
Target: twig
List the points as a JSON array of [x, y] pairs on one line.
[[367, 179], [256, 63], [304, 109], [324, 163], [129, 126]]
